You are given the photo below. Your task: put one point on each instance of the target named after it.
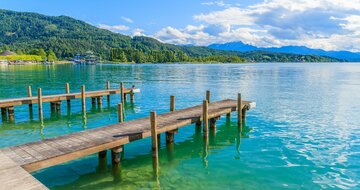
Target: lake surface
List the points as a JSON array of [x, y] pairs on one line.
[[304, 133]]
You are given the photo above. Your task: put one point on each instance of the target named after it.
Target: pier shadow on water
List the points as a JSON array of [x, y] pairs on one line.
[[135, 169]]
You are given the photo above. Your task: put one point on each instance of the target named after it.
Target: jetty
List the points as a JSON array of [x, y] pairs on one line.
[[37, 155], [7, 105]]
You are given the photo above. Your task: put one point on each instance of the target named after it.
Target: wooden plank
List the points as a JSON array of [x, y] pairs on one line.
[[13, 177]]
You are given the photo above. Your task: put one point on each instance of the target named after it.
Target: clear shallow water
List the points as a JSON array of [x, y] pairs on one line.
[[304, 133]]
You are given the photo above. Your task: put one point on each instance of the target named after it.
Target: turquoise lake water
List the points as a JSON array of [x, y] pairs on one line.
[[303, 134]]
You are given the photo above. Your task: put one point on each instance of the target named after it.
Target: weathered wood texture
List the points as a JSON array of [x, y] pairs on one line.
[[14, 177], [59, 97], [45, 153]]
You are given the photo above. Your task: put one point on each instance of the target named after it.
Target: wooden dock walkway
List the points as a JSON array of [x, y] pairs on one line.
[[59, 97], [49, 152], [13, 176], [7, 105]]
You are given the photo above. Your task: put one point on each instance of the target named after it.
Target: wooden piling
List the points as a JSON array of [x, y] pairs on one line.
[[102, 163], [67, 91], [108, 88], [93, 101], [169, 135], [239, 110], [154, 140], [29, 95], [205, 117], [115, 155], [243, 115], [102, 154], [172, 103], [198, 124], [83, 98], [120, 113], [228, 115], [40, 104], [122, 95], [99, 101], [3, 113], [213, 123], [208, 96], [67, 88], [132, 94], [57, 106], [10, 112], [52, 106]]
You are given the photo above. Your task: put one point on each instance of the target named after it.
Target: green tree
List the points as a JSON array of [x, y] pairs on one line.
[[51, 56], [5, 48], [19, 52], [42, 54], [122, 57]]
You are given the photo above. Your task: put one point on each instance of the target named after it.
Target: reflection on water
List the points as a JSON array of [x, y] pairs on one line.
[[304, 133]]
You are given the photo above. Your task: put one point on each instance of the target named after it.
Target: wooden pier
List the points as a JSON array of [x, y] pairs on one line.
[[7, 105], [49, 152]]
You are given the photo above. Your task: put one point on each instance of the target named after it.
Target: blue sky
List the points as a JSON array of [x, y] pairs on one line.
[[326, 24]]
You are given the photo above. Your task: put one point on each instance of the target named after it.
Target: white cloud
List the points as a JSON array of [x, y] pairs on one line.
[[215, 3], [138, 32], [114, 28], [230, 16], [189, 35], [126, 19], [328, 24], [352, 24]]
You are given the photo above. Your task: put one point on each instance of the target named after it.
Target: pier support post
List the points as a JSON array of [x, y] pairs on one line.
[[239, 110], [132, 94], [170, 136], [120, 113], [3, 113], [52, 106], [170, 151], [228, 115], [99, 101], [102, 154], [205, 117], [40, 104], [102, 163], [115, 155], [121, 119], [29, 95], [213, 123], [172, 103], [83, 99], [243, 115], [67, 90], [122, 95], [108, 88], [208, 96], [58, 106], [93, 101], [11, 113], [154, 143]]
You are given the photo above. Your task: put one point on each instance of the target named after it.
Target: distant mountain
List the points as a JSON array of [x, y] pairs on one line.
[[242, 47], [22, 32]]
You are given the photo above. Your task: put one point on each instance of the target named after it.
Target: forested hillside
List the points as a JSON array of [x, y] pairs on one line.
[[26, 33]]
